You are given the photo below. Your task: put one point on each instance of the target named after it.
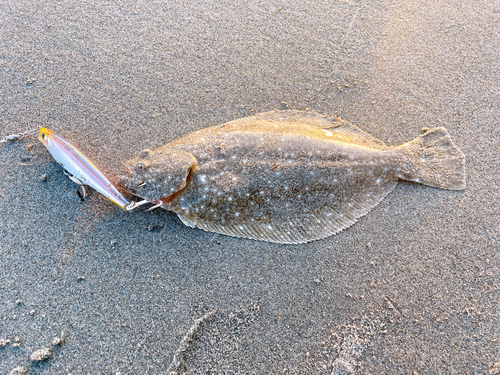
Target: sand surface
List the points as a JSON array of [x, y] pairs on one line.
[[412, 287]]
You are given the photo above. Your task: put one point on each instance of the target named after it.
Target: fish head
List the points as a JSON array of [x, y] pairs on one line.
[[158, 175]]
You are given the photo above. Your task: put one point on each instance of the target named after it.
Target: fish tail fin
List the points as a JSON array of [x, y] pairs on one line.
[[433, 159]]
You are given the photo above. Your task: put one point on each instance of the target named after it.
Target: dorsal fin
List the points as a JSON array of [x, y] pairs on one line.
[[333, 125]]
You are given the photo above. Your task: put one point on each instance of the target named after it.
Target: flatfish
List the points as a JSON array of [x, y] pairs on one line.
[[286, 176]]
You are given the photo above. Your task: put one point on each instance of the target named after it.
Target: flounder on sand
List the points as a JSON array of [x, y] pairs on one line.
[[286, 176]]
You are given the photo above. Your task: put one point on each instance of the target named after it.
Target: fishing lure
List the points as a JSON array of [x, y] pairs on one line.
[[80, 168]]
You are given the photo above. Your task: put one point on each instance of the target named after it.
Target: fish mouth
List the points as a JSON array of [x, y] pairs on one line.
[[128, 167], [130, 184]]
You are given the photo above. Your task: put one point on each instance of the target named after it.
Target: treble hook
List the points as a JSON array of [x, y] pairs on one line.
[[156, 206], [81, 194], [134, 205]]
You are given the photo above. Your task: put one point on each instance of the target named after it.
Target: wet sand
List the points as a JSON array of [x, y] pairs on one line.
[[412, 287]]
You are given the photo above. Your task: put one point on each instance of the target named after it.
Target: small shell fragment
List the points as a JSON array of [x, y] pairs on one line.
[[41, 355]]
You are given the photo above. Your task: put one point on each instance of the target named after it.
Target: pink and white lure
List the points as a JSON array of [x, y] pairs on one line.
[[80, 168]]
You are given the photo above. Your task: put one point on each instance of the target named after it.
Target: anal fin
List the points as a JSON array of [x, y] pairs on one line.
[[306, 227]]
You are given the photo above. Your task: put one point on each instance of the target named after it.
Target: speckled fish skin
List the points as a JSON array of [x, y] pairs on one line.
[[286, 176]]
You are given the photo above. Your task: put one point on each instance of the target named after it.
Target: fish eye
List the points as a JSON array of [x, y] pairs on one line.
[[144, 154], [140, 168], [43, 135]]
